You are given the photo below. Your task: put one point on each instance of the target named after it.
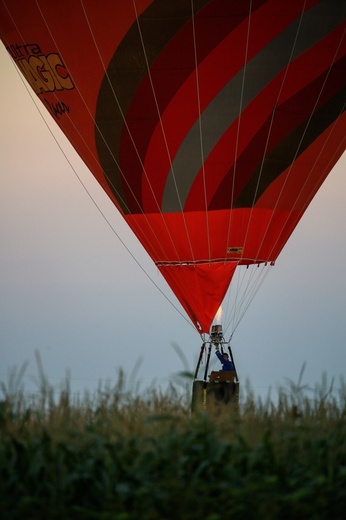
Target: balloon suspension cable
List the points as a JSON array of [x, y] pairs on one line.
[[200, 357], [207, 363], [232, 359]]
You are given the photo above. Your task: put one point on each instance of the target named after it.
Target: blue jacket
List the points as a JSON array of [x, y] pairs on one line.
[[226, 363]]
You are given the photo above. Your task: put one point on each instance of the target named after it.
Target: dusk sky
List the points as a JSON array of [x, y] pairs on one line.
[[73, 292]]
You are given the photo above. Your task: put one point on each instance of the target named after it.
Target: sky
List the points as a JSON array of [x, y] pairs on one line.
[[71, 291]]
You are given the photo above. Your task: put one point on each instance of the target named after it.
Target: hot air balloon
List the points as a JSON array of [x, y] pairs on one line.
[[210, 124]]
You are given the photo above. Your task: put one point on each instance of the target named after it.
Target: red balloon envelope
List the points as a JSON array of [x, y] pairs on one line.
[[210, 124]]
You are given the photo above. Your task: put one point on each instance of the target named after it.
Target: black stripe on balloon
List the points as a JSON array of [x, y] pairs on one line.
[[289, 149], [290, 119], [159, 24]]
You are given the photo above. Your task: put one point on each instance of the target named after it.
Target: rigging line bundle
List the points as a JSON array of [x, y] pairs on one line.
[[270, 129], [200, 126], [239, 118], [163, 132]]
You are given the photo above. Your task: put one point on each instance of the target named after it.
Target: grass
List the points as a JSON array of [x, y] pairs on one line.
[[142, 455]]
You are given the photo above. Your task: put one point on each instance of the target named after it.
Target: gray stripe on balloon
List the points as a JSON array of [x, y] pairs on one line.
[[223, 110]]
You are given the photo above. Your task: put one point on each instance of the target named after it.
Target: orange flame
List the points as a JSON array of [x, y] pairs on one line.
[[218, 316]]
